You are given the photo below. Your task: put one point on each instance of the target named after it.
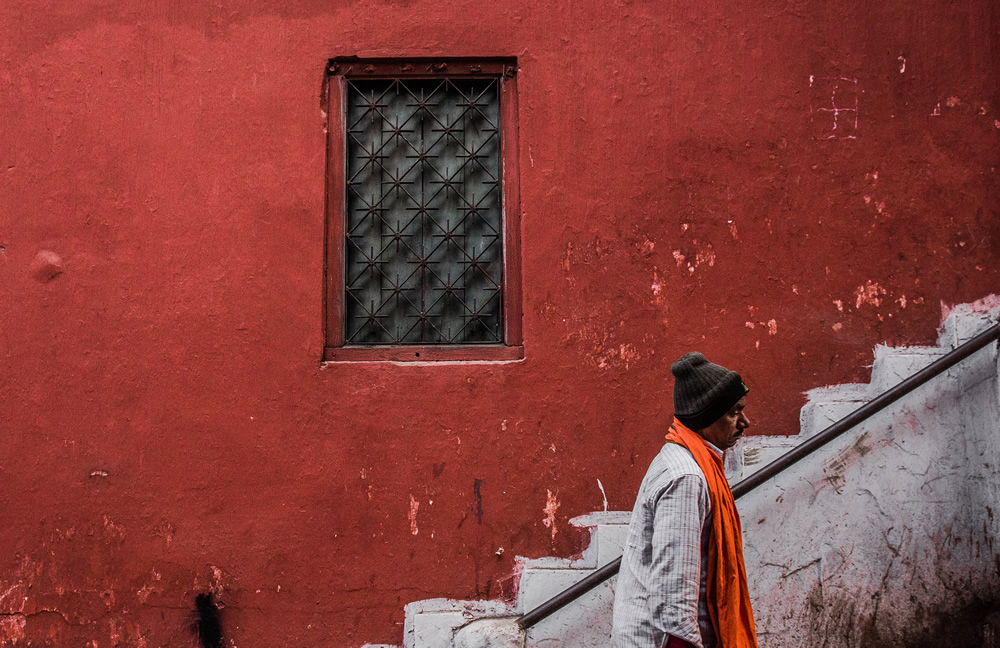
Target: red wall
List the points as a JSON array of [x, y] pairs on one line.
[[167, 427]]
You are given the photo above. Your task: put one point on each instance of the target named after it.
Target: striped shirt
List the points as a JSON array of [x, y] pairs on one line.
[[661, 586]]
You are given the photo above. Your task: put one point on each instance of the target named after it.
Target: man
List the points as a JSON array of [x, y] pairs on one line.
[[682, 581]]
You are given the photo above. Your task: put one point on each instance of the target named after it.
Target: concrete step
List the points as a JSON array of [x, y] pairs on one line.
[[893, 365], [432, 623], [966, 321], [606, 534], [750, 454], [443, 623]]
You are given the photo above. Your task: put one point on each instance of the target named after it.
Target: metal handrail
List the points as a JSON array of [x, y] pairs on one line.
[[802, 450]]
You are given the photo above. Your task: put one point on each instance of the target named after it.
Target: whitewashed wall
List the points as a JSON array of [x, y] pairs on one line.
[[889, 536]]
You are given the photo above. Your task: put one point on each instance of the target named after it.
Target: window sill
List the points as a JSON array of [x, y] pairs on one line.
[[467, 353]]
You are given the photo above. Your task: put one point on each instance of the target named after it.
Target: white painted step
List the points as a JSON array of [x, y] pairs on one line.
[[543, 578], [439, 623]]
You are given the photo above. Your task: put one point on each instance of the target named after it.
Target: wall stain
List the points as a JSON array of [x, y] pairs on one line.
[[208, 624], [477, 490]]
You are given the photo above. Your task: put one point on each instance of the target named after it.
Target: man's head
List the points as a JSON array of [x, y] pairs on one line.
[[709, 399]]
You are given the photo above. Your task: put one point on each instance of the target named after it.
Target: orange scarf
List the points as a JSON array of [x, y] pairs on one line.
[[728, 597]]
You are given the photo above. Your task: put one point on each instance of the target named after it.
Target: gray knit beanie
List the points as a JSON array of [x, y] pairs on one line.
[[704, 391]]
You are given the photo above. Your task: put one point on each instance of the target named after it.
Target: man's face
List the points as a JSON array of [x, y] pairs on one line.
[[724, 432]]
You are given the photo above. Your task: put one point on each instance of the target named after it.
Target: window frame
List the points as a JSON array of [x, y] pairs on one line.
[[341, 69]]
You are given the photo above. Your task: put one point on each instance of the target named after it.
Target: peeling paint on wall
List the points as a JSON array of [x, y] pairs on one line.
[[869, 293], [412, 515], [12, 628], [656, 287], [551, 506]]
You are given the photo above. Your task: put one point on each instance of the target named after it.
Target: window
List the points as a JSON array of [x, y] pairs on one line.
[[422, 251]]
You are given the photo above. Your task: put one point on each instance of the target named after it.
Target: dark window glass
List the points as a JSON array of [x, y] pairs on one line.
[[423, 233]]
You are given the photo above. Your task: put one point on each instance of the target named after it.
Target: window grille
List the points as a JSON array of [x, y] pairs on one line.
[[423, 231]]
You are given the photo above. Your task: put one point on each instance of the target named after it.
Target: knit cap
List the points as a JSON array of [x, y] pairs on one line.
[[704, 391]]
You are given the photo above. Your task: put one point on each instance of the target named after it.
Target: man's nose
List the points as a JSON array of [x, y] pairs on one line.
[[745, 422]]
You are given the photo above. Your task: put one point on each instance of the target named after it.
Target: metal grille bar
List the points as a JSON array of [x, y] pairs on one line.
[[423, 231]]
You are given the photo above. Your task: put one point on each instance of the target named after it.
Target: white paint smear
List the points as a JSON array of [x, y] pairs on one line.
[[414, 507], [603, 495], [551, 506]]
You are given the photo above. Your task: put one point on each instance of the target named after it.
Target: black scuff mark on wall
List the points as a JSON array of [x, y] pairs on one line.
[[477, 490], [208, 623]]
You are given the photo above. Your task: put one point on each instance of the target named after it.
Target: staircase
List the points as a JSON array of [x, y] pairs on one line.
[[888, 537]]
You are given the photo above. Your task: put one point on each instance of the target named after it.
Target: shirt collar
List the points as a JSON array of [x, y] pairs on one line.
[[711, 446]]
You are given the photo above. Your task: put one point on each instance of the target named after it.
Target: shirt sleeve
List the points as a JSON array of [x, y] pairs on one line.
[[681, 509]]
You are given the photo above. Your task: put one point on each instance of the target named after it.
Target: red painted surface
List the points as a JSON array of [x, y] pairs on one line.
[[167, 427]]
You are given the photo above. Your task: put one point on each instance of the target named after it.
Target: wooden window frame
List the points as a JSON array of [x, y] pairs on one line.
[[338, 71]]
